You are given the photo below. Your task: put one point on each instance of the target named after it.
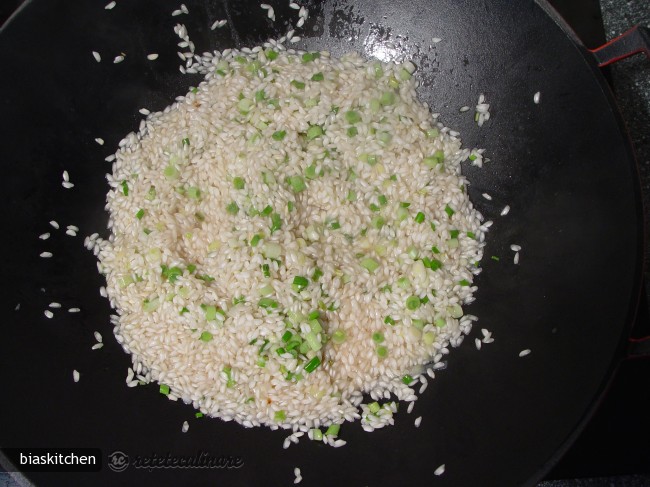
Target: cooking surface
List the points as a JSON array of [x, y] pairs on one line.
[[606, 449]]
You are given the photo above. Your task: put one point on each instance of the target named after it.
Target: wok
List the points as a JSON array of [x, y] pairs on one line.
[[565, 167]]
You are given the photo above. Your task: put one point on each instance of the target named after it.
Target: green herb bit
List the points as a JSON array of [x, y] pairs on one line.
[[125, 188], [407, 379], [374, 207], [389, 321], [271, 54], [352, 117], [419, 218], [404, 204], [297, 183], [279, 135], [260, 95], [280, 416], [256, 240], [299, 283], [276, 222], [449, 210], [352, 132], [338, 337], [267, 303], [318, 273], [171, 273], [333, 430], [318, 77], [370, 264], [265, 270], [383, 201], [240, 299], [232, 208], [194, 193], [312, 365], [335, 225], [183, 311], [139, 214], [382, 351], [206, 336], [435, 250], [186, 142], [238, 182], [352, 195], [377, 222], [298, 84], [164, 389], [378, 337], [387, 98], [412, 303], [495, 258], [267, 210], [198, 415], [314, 131], [287, 336], [435, 264], [454, 233], [464, 282], [471, 235], [171, 172], [205, 278]]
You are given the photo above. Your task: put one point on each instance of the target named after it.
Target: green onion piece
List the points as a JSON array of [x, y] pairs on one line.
[[433, 133], [255, 240], [194, 192], [205, 278], [404, 74], [471, 235], [183, 311], [371, 265], [495, 258], [389, 321], [279, 135], [314, 315], [338, 336], [268, 178], [298, 84], [266, 290], [433, 226], [392, 82], [272, 250], [312, 341], [276, 222], [164, 389], [307, 57], [206, 336], [310, 172], [125, 188], [238, 183], [419, 218], [377, 222], [270, 54], [244, 106], [352, 132], [378, 70], [335, 225], [374, 407], [435, 264], [198, 415], [387, 98], [280, 416], [464, 282], [352, 195], [171, 273], [290, 206], [171, 172], [372, 159], [287, 336], [384, 137], [186, 142], [382, 351], [267, 210], [407, 379], [402, 214], [232, 208], [374, 207], [403, 282], [417, 323], [378, 337], [428, 338], [333, 430], [472, 157], [317, 434], [449, 210], [317, 274], [297, 183], [412, 252], [404, 204], [267, 303], [151, 194], [210, 311], [139, 214], [425, 299], [314, 131], [265, 270], [352, 117], [318, 77], [435, 250], [299, 283], [454, 233], [455, 311], [412, 303], [312, 365], [240, 299], [260, 95], [383, 201]]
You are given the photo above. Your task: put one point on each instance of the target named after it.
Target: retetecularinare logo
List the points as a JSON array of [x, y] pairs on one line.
[[118, 461]]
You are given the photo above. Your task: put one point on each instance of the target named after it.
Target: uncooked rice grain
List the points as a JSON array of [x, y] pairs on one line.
[[54, 305], [523, 353], [440, 470], [110, 6], [506, 210], [54, 224], [46, 255], [44, 236], [48, 313], [75, 375], [97, 56]]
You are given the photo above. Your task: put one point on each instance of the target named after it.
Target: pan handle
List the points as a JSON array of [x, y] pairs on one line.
[[634, 41]]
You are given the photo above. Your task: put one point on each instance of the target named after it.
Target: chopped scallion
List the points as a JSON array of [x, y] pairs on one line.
[[312, 365], [206, 336], [412, 303], [299, 283], [419, 218], [318, 77], [279, 135], [232, 208]]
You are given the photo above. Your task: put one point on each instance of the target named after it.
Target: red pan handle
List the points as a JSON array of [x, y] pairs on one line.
[[634, 41]]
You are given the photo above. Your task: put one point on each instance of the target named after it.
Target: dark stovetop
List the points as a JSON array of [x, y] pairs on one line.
[[614, 448]]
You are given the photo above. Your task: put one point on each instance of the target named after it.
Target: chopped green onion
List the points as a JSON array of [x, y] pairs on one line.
[[260, 95], [382, 351], [238, 183], [272, 250], [290, 206], [385, 137], [314, 131], [171, 273], [378, 70], [374, 207], [280, 416], [335, 225], [183, 311], [412, 303], [298, 84], [378, 337], [232, 208], [206, 336], [352, 132], [240, 299], [139, 214], [471, 235], [171, 172], [433, 133], [287, 336], [404, 74], [271, 54], [198, 415], [338, 336], [317, 274], [407, 379], [186, 142], [435, 250], [312, 365], [383, 201], [164, 389], [151, 194], [387, 98], [299, 283], [402, 214], [279, 135], [125, 188], [352, 117], [267, 303], [419, 218], [403, 282], [464, 282], [255, 240], [352, 195], [377, 222], [454, 233], [370, 264], [244, 106], [310, 172], [297, 183], [318, 77], [194, 192], [449, 210], [495, 258], [333, 430], [435, 264], [389, 321], [404, 204], [276, 222], [417, 323], [265, 270], [267, 210], [314, 315]]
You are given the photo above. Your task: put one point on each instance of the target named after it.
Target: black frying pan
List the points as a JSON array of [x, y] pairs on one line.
[[565, 167]]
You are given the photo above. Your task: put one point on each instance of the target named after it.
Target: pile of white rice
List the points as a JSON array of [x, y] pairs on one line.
[[292, 234]]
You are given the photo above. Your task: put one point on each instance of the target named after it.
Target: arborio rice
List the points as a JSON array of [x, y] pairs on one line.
[[292, 234]]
